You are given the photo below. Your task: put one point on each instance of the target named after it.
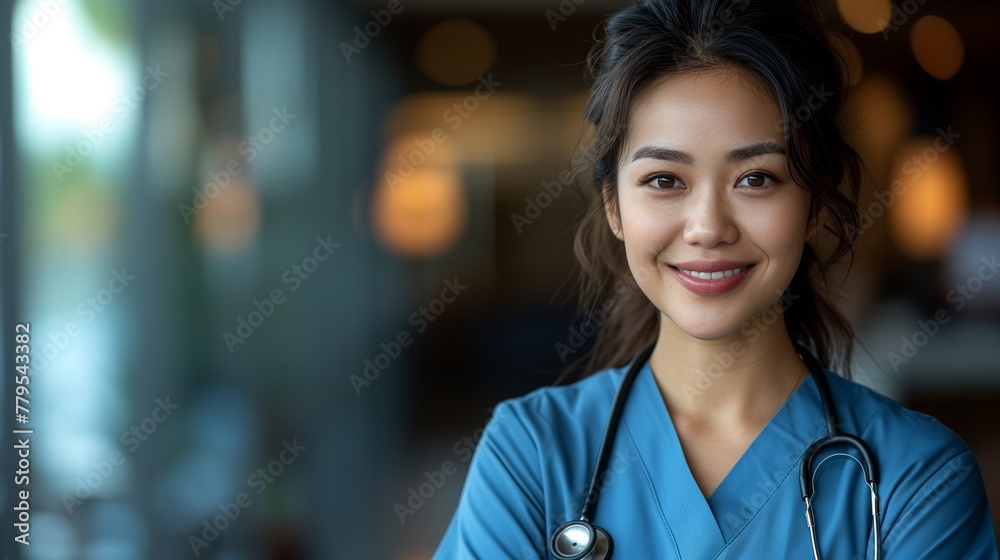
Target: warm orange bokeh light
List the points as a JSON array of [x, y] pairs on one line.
[[937, 46], [229, 218], [866, 16], [928, 215], [423, 215], [455, 52], [882, 117]]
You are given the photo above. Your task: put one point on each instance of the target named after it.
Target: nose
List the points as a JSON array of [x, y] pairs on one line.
[[709, 218]]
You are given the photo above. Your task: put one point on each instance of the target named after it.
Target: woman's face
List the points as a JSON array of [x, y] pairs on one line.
[[713, 226]]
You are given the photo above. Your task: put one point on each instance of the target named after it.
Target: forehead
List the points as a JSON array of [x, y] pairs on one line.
[[704, 111]]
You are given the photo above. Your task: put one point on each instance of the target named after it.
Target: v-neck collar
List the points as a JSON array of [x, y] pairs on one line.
[[701, 528]]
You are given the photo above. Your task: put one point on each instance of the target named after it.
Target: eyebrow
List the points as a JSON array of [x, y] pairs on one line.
[[754, 150], [734, 156]]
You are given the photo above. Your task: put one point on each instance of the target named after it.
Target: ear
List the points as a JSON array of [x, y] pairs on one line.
[[611, 211]]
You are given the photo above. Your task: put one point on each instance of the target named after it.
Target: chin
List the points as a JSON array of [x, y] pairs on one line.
[[713, 335], [706, 329]]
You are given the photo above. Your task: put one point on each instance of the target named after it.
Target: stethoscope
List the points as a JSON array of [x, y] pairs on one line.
[[582, 540]]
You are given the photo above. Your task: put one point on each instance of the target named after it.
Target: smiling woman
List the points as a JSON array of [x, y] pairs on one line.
[[704, 204], [708, 200]]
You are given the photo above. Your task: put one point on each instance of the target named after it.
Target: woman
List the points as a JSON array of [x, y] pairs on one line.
[[710, 195]]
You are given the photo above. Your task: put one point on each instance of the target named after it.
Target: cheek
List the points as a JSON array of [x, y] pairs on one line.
[[649, 227], [650, 237], [779, 229]]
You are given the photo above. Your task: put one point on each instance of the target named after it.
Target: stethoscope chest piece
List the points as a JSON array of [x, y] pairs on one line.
[[580, 540]]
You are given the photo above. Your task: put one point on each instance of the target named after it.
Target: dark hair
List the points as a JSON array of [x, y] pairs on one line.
[[781, 46]]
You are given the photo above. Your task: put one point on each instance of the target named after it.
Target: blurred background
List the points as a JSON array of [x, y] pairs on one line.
[[280, 259]]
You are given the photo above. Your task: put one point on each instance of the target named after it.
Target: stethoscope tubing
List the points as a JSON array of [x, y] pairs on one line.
[[608, 440], [835, 437]]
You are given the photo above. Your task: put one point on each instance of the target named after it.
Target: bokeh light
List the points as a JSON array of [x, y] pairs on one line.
[[455, 52], [866, 16], [928, 214], [881, 116], [422, 215], [937, 46], [230, 219]]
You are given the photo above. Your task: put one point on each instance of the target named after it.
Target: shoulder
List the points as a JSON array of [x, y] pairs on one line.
[[551, 412], [930, 482], [912, 434], [526, 436], [547, 406], [918, 456], [523, 464]]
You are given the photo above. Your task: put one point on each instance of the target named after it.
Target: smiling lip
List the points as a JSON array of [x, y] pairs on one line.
[[711, 277]]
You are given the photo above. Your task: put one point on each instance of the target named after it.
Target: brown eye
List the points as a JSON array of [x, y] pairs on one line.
[[757, 180], [665, 182]]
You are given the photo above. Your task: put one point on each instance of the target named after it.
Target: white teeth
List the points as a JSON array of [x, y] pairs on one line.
[[714, 275]]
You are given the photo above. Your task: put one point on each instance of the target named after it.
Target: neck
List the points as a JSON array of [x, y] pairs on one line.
[[737, 379]]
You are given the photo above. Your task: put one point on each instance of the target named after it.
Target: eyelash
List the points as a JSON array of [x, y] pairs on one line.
[[775, 179]]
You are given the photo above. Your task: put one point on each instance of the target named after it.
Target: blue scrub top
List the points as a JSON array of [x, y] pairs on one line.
[[532, 469]]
